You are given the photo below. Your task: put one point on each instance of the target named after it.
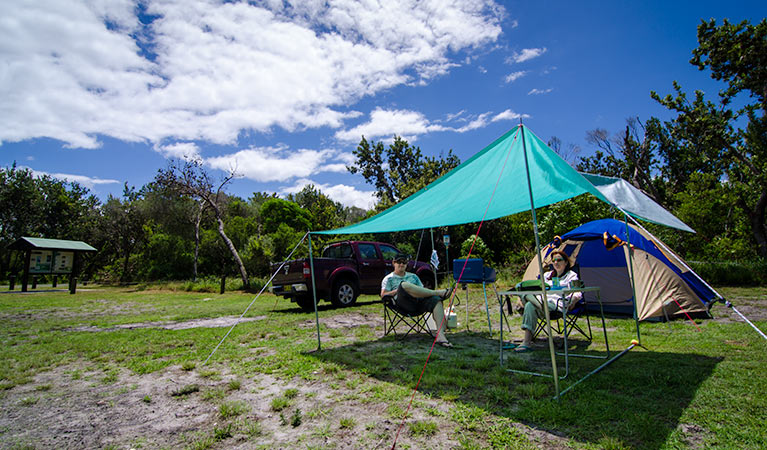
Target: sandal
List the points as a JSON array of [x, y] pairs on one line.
[[522, 348], [510, 345], [448, 292], [445, 344]]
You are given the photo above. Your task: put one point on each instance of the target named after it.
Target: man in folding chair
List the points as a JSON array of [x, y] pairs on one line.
[[410, 295], [533, 308]]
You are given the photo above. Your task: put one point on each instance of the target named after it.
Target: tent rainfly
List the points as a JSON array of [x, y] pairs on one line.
[[664, 286]]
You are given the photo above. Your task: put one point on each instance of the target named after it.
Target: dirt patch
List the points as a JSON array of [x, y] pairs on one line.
[[349, 320], [754, 309], [73, 407], [694, 435], [59, 410], [196, 323]]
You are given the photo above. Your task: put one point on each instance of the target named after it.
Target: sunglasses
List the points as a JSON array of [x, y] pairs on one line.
[[557, 260]]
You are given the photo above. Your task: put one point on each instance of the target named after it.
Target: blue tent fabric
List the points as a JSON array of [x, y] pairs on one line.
[[609, 269], [613, 227]]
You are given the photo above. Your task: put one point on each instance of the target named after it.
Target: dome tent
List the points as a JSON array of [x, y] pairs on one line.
[[664, 287]]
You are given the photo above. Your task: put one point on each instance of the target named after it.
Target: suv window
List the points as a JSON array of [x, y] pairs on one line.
[[367, 251], [338, 251], [388, 252]]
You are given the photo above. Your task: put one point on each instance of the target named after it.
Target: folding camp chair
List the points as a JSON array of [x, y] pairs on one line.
[[566, 323], [412, 322]]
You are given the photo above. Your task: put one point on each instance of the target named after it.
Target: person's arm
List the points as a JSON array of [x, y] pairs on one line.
[[574, 297], [385, 287], [385, 293], [547, 278]]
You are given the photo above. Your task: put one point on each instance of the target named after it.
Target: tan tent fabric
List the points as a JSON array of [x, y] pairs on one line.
[[656, 283]]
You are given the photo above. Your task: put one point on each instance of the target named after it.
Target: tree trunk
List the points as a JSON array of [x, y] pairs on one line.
[[124, 276], [197, 221], [757, 225], [230, 245]]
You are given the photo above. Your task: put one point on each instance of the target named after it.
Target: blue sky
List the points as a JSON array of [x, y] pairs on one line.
[[104, 92]]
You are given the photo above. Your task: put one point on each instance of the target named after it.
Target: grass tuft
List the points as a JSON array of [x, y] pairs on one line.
[[185, 390]]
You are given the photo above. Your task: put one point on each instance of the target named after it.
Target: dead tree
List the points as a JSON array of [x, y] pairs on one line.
[[190, 178]]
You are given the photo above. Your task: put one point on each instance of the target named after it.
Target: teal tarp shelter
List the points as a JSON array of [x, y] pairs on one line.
[[518, 172], [634, 202], [489, 185]]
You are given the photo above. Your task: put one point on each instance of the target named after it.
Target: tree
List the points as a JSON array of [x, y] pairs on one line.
[[569, 154], [399, 170], [122, 227], [706, 137], [277, 211], [629, 155], [190, 178], [325, 213], [42, 206], [19, 200]]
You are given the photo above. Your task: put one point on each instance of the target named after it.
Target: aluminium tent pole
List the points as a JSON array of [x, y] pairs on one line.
[[314, 293], [540, 267], [631, 269], [431, 230]]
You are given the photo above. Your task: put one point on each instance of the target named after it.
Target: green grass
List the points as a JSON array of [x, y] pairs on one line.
[[712, 380]]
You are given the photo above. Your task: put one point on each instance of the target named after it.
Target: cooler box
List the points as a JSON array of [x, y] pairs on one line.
[[473, 273]]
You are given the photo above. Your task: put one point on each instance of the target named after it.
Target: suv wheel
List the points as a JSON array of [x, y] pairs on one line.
[[305, 302], [344, 292]]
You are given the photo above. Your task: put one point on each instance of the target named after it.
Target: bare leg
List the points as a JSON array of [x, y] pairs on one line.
[[422, 292], [438, 314], [528, 340]]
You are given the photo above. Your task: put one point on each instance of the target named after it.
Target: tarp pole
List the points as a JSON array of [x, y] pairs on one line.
[[314, 293], [605, 364], [631, 269], [431, 230], [545, 301]]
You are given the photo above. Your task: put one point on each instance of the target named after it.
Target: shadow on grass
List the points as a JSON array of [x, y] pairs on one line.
[[637, 401]]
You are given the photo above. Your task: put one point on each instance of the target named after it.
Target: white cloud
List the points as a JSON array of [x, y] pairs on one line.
[[86, 181], [205, 70], [387, 123], [271, 164], [514, 76], [528, 54], [536, 91], [384, 124], [180, 150], [509, 115], [344, 194], [337, 167]]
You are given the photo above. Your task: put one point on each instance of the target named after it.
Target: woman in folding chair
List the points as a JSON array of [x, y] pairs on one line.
[[409, 294], [533, 308]]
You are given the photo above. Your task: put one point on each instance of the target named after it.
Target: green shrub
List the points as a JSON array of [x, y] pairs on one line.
[[732, 273]]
